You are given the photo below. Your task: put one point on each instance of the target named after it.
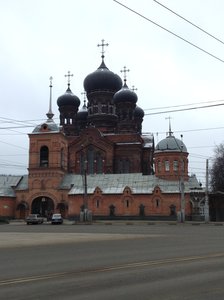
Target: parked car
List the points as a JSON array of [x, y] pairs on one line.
[[56, 219], [34, 219]]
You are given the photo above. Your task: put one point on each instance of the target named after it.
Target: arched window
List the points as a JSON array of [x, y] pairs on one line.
[[126, 165], [167, 165], [99, 163], [175, 165], [44, 156], [62, 158], [90, 159]]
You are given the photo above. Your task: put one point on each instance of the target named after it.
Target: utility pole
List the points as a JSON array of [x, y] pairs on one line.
[[206, 207], [182, 198], [85, 186]]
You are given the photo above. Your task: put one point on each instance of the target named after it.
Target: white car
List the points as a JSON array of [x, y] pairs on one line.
[[56, 219]]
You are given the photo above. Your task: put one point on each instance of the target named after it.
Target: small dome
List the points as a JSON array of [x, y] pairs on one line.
[[170, 143], [139, 112], [102, 79], [125, 95], [83, 113], [49, 125], [68, 99]]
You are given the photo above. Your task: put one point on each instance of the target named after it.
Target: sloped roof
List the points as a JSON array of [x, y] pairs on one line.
[[116, 183], [7, 185], [108, 183], [23, 184]]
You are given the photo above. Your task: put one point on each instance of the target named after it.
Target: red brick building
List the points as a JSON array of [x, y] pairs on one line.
[[98, 158]]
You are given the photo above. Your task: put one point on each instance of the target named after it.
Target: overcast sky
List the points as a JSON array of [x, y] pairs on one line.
[[43, 38]]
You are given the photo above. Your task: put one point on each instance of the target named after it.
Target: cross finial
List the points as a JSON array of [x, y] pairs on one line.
[[125, 70], [51, 78], [69, 75], [84, 97], [170, 132], [50, 114], [102, 45], [134, 88]]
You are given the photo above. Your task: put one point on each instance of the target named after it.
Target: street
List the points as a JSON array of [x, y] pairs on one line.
[[118, 261]]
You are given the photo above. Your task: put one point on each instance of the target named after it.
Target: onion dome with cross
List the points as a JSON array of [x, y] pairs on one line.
[[102, 79], [125, 94], [68, 98]]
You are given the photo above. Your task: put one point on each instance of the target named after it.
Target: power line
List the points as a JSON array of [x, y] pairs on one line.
[[169, 31], [183, 109], [147, 114], [181, 105], [13, 145], [217, 39]]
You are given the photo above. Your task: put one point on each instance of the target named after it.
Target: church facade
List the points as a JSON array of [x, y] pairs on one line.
[[98, 159]]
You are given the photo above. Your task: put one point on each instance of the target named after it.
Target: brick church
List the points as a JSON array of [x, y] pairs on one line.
[[98, 159]]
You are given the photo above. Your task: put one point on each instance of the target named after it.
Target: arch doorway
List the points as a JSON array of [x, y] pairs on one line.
[[22, 210], [62, 207], [43, 206]]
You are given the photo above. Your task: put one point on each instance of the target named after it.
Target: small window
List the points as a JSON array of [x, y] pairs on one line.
[[157, 203], [167, 165], [127, 203], [175, 165], [44, 156], [97, 203]]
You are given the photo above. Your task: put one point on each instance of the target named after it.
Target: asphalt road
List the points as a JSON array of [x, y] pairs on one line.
[[138, 261]]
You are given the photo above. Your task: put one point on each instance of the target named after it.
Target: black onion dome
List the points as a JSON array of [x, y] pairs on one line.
[[82, 113], [102, 79], [68, 99], [125, 95], [139, 112]]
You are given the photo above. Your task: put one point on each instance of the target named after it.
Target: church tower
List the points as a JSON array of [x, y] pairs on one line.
[[100, 87], [48, 152]]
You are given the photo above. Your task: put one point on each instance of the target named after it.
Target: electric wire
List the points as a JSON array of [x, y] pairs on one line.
[[181, 105], [169, 31], [183, 109], [147, 114], [186, 20]]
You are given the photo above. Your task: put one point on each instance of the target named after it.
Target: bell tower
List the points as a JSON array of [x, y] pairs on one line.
[[48, 151]]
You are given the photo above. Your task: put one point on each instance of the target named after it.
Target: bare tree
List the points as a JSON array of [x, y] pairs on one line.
[[217, 170]]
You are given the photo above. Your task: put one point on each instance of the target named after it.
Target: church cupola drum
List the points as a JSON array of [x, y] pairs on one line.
[[125, 100], [100, 87], [68, 105]]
